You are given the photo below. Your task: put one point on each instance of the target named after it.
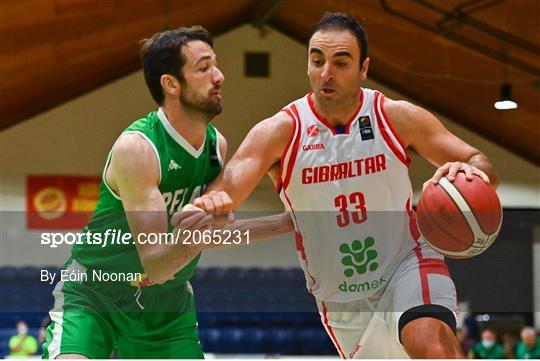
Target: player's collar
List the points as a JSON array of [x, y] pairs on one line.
[[178, 137]]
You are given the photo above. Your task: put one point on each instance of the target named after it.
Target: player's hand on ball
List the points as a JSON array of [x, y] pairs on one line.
[[450, 169], [218, 204], [191, 218]]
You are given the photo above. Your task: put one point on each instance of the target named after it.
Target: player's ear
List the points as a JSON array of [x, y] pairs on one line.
[[170, 85], [364, 69]]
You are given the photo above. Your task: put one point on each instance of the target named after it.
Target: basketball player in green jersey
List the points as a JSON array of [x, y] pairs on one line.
[[159, 164]]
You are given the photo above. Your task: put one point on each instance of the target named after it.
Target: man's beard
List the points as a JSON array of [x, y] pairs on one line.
[[196, 104]]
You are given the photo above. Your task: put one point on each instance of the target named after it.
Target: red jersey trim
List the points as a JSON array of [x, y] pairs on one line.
[[426, 266], [385, 131], [418, 251], [295, 146], [434, 266], [391, 128], [282, 161], [326, 123], [331, 331], [299, 240], [288, 166]]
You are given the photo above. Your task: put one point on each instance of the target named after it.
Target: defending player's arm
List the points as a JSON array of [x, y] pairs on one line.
[[134, 174], [422, 131]]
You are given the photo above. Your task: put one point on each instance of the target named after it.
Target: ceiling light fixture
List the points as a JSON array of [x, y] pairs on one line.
[[506, 102]]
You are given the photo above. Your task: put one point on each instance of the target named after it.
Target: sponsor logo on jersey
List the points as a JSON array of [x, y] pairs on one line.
[[333, 172], [359, 257], [173, 165], [312, 130], [361, 286], [308, 147], [364, 126]]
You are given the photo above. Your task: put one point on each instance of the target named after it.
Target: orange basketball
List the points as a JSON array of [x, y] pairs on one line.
[[459, 219]]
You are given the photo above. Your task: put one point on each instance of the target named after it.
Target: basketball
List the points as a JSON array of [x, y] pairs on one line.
[[459, 219]]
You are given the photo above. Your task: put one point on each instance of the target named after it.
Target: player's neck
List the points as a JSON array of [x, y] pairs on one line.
[[192, 128], [336, 112]]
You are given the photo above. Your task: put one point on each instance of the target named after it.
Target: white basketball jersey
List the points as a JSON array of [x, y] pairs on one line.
[[350, 196]]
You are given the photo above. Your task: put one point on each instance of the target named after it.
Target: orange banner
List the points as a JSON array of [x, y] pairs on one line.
[[60, 202]]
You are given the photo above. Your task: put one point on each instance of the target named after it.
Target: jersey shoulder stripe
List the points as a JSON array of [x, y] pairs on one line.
[[289, 154], [388, 132]]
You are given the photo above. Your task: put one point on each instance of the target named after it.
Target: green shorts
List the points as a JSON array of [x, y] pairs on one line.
[[93, 319]]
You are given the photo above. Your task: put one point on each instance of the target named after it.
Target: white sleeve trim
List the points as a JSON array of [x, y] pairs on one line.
[[220, 156], [110, 155], [104, 176], [195, 153]]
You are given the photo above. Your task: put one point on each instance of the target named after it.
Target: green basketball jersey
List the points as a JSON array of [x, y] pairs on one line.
[[185, 173]]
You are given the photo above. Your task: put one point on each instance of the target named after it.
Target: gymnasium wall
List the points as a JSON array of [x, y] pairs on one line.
[[74, 138]]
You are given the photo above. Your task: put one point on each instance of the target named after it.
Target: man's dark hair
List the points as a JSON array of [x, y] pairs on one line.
[[342, 21], [162, 54]]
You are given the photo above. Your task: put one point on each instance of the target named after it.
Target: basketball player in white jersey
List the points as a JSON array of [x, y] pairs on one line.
[[338, 157]]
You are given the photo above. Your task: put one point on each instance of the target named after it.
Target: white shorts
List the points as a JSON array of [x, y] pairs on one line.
[[369, 328]]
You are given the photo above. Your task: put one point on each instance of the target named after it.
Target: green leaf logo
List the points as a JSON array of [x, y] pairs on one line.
[[359, 257]]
